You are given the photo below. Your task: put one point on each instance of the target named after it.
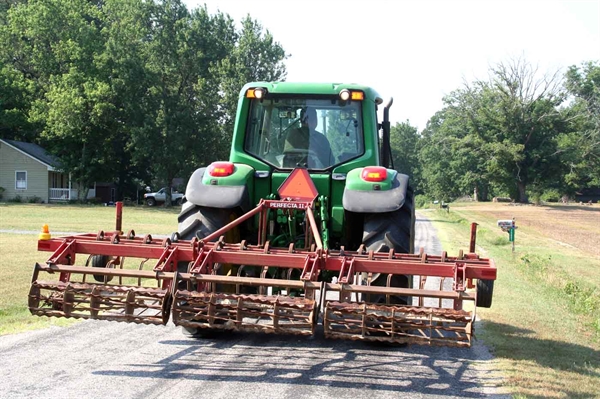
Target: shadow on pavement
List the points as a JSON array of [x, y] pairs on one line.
[[315, 361]]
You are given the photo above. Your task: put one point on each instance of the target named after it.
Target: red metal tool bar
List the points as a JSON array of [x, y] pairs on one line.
[[255, 255], [119, 218], [473, 237]]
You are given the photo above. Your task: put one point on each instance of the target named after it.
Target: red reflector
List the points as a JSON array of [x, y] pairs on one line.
[[298, 186], [220, 169], [374, 173]]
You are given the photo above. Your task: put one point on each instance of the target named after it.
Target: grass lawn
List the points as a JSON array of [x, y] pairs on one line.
[[87, 219]]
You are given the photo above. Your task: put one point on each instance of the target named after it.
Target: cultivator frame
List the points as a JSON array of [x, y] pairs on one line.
[[196, 297]]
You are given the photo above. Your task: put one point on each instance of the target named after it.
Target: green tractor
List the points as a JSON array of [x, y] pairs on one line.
[[332, 131], [307, 224]]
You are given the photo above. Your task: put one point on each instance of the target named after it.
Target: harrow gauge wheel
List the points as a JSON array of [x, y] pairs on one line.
[[101, 261], [485, 289]]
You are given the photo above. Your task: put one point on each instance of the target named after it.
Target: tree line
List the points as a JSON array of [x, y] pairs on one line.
[[132, 91], [127, 91], [518, 134]]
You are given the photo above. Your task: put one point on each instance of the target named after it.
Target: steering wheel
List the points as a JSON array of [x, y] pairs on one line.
[[302, 157]]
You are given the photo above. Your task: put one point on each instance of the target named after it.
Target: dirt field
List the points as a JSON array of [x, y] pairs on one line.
[[576, 226]]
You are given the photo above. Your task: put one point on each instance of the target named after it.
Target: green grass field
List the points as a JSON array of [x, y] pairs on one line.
[[543, 327]]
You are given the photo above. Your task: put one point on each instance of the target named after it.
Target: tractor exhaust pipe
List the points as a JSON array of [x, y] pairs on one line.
[[386, 151]]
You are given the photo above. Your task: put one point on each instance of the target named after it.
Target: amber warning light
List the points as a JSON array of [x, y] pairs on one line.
[[45, 233], [298, 186]]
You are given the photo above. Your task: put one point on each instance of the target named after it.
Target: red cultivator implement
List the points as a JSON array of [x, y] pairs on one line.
[[215, 285]]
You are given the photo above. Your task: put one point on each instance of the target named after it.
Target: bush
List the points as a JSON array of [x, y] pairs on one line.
[[17, 199], [551, 195], [421, 201], [2, 190], [35, 200]]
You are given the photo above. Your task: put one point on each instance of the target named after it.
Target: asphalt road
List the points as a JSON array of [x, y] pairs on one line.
[[99, 359]]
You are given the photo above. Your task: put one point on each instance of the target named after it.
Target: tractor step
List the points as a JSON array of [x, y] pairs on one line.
[[247, 313], [398, 324]]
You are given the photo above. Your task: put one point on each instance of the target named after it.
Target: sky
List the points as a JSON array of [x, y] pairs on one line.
[[419, 51]]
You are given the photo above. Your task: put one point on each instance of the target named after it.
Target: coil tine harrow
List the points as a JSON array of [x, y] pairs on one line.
[[204, 295]]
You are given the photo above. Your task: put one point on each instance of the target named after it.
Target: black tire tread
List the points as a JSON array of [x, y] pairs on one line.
[[485, 290], [200, 221], [100, 261], [391, 230]]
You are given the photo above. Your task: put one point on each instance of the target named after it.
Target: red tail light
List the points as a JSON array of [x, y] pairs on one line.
[[374, 173], [220, 169]]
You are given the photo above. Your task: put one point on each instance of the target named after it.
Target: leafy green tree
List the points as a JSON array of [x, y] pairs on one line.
[[52, 46], [405, 141], [501, 134], [180, 130], [256, 56], [527, 125], [15, 101], [581, 146], [125, 90]]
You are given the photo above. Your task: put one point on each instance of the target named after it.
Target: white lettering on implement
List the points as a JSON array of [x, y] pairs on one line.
[[288, 205]]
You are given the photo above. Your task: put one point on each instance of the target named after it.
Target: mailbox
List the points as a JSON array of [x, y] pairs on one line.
[[507, 224]]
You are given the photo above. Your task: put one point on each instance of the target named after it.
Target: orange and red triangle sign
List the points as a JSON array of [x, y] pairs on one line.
[[298, 186]]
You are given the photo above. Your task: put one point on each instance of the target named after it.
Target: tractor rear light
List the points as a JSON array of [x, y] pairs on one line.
[[374, 173], [220, 169], [345, 95]]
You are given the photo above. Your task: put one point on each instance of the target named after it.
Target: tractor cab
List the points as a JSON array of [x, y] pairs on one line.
[[308, 132]]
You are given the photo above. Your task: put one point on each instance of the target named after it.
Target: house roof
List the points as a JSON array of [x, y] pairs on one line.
[[34, 151]]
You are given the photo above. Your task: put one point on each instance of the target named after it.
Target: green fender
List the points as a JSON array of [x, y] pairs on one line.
[[374, 197], [222, 192]]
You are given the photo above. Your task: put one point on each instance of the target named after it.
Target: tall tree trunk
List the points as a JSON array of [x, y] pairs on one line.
[[521, 186], [483, 193]]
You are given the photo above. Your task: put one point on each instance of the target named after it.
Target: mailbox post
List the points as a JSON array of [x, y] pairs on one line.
[[509, 226]]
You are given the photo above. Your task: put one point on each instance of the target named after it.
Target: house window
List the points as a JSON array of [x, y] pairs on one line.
[[21, 180]]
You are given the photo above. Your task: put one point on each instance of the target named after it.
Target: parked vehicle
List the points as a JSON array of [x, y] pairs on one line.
[[151, 199]]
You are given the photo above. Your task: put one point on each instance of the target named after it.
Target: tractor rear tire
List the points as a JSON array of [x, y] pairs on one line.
[[391, 230], [485, 290], [199, 221]]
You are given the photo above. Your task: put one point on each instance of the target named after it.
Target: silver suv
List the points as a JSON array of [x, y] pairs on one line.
[[152, 199]]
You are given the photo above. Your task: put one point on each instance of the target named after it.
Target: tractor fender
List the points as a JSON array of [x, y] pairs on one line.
[[204, 190], [367, 197]]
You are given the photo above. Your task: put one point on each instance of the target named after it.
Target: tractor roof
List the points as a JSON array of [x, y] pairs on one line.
[[313, 88]]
